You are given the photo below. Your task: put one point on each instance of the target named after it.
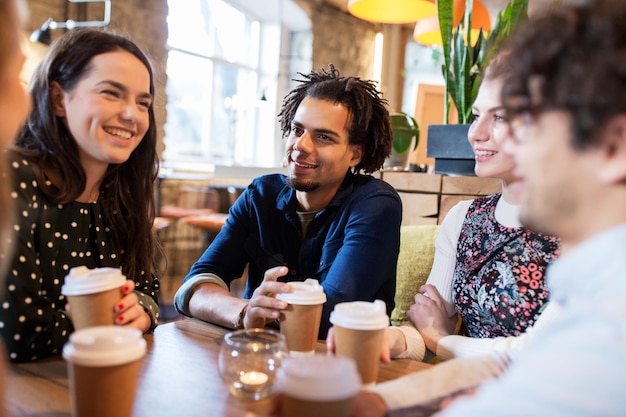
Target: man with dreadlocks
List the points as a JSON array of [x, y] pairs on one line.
[[326, 219]]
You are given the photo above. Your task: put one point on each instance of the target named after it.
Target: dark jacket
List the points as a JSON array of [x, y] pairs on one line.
[[351, 247]]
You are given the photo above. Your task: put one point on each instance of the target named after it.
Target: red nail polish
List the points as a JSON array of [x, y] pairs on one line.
[[119, 319], [125, 288], [120, 307]]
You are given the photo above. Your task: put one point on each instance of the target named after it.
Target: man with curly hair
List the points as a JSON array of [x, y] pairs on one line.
[[326, 219], [565, 103]]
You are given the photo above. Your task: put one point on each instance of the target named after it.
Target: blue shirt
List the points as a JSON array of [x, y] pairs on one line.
[[576, 366], [351, 246]]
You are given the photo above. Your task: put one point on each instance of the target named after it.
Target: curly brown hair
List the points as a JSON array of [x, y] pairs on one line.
[[578, 56], [370, 125]]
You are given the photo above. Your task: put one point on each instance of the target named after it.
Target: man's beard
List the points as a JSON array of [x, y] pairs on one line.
[[300, 185]]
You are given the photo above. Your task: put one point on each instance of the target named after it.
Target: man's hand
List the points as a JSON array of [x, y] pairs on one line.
[[263, 307], [430, 317]]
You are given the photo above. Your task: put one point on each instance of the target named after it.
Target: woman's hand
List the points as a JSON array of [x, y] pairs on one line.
[[263, 307], [128, 311], [430, 317]]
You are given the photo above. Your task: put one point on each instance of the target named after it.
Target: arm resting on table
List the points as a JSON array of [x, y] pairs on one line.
[[429, 387], [207, 297]]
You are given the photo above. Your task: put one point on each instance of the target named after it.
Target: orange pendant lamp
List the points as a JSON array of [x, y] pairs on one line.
[[392, 11], [427, 30]]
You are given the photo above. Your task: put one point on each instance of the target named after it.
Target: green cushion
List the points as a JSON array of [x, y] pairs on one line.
[[417, 250]]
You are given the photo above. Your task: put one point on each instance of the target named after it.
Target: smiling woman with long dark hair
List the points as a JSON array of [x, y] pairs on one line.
[[84, 167]]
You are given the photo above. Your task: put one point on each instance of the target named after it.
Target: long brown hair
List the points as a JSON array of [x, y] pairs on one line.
[[127, 189]]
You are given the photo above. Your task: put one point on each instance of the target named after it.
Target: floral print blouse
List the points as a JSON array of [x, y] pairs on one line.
[[51, 239], [499, 286]]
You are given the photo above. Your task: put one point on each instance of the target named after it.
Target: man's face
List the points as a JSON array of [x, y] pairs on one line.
[[318, 149], [555, 185]]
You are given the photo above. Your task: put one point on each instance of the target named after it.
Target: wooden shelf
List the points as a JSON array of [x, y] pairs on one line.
[[427, 198]]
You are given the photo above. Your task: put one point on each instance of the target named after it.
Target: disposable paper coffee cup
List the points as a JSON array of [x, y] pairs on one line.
[[103, 364], [300, 321], [359, 328], [92, 295], [317, 385]]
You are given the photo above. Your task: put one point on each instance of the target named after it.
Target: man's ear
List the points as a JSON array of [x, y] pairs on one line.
[[357, 155], [57, 95], [613, 168]]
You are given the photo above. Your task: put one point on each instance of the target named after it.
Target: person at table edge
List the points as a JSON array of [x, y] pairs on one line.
[[324, 219]]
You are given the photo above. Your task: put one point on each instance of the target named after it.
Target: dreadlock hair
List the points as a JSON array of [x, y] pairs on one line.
[[370, 125]]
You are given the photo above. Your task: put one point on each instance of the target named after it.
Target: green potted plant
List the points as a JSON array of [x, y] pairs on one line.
[[463, 63], [406, 136]]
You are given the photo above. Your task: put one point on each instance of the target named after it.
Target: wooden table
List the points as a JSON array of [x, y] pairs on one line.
[[207, 222], [179, 378]]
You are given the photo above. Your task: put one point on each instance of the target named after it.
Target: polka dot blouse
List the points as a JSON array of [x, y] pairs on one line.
[[50, 239]]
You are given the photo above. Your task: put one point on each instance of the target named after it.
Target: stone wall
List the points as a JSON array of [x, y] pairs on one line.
[[144, 21], [340, 39]]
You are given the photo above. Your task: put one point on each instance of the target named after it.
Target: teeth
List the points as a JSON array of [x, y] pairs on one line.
[[484, 153], [304, 165], [124, 134]]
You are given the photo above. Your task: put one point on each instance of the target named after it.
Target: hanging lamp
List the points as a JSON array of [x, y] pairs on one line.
[[427, 30], [392, 11]]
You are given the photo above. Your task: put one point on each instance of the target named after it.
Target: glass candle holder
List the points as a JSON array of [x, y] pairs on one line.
[[248, 361]]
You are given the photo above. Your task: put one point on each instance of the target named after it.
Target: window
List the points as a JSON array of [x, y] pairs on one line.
[[223, 84]]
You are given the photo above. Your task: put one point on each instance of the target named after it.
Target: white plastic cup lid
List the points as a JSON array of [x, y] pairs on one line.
[[318, 378], [309, 292], [101, 346], [82, 280], [360, 315]]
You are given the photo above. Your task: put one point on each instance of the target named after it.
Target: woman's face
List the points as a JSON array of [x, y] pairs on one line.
[[107, 111], [488, 131], [15, 102]]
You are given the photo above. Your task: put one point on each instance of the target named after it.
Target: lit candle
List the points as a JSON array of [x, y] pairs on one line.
[[253, 379]]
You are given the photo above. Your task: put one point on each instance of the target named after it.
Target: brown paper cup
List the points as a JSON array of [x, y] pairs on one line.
[[317, 385], [103, 366], [359, 329], [105, 391], [92, 295], [364, 347], [300, 321], [301, 324], [297, 407], [94, 309]]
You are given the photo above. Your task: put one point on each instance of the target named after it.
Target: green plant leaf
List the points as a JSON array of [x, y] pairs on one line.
[[404, 128], [507, 20], [445, 15], [463, 64]]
